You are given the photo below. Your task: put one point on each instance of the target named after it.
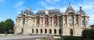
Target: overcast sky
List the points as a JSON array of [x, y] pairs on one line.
[[11, 8]]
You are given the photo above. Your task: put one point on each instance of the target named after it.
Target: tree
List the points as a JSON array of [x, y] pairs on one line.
[[2, 27], [9, 25], [88, 34], [6, 26]]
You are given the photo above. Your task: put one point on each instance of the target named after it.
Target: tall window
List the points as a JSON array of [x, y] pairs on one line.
[[55, 31], [22, 30], [36, 30], [55, 20], [50, 31], [59, 31], [32, 30], [38, 21], [40, 30], [50, 20], [71, 32], [23, 20], [60, 21], [46, 20], [45, 30], [70, 20], [83, 22]]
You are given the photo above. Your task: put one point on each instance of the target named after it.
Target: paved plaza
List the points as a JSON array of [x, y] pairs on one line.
[[22, 37]]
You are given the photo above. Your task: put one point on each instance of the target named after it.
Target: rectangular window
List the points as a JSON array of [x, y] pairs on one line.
[[41, 30], [36, 30], [46, 21], [32, 30], [55, 20], [38, 21]]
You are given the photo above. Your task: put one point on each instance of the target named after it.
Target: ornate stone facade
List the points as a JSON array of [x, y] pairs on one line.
[[52, 22]]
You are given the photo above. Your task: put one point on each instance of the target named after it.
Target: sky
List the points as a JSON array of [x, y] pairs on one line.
[[12, 8]]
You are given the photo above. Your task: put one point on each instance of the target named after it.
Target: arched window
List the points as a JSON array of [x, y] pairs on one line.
[[32, 30], [40, 30], [36, 30], [59, 31], [70, 20], [50, 20], [46, 20], [83, 22], [55, 31], [60, 21], [50, 31], [55, 20], [38, 20], [45, 30], [71, 32], [22, 30]]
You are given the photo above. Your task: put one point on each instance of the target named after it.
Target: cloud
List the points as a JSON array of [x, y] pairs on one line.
[[19, 4], [49, 5], [43, 4], [0, 18], [91, 19], [88, 8], [50, 1], [2, 1], [18, 10]]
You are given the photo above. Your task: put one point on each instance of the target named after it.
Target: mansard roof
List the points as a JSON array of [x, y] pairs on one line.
[[81, 12], [69, 9], [28, 11], [50, 12], [54, 12], [40, 12]]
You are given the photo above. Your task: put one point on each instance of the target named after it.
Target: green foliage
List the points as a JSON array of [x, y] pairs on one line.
[[72, 38], [6, 25], [2, 27], [10, 24], [88, 34]]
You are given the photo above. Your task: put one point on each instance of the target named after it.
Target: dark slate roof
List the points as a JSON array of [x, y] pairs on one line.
[[28, 11], [40, 12], [54, 12], [69, 9], [51, 12], [81, 11]]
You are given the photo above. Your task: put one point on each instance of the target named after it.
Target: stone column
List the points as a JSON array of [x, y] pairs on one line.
[[26, 22], [40, 21], [64, 21], [43, 21], [79, 21], [74, 20], [57, 21], [17, 22], [34, 23], [57, 31], [52, 31], [52, 21], [87, 22]]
